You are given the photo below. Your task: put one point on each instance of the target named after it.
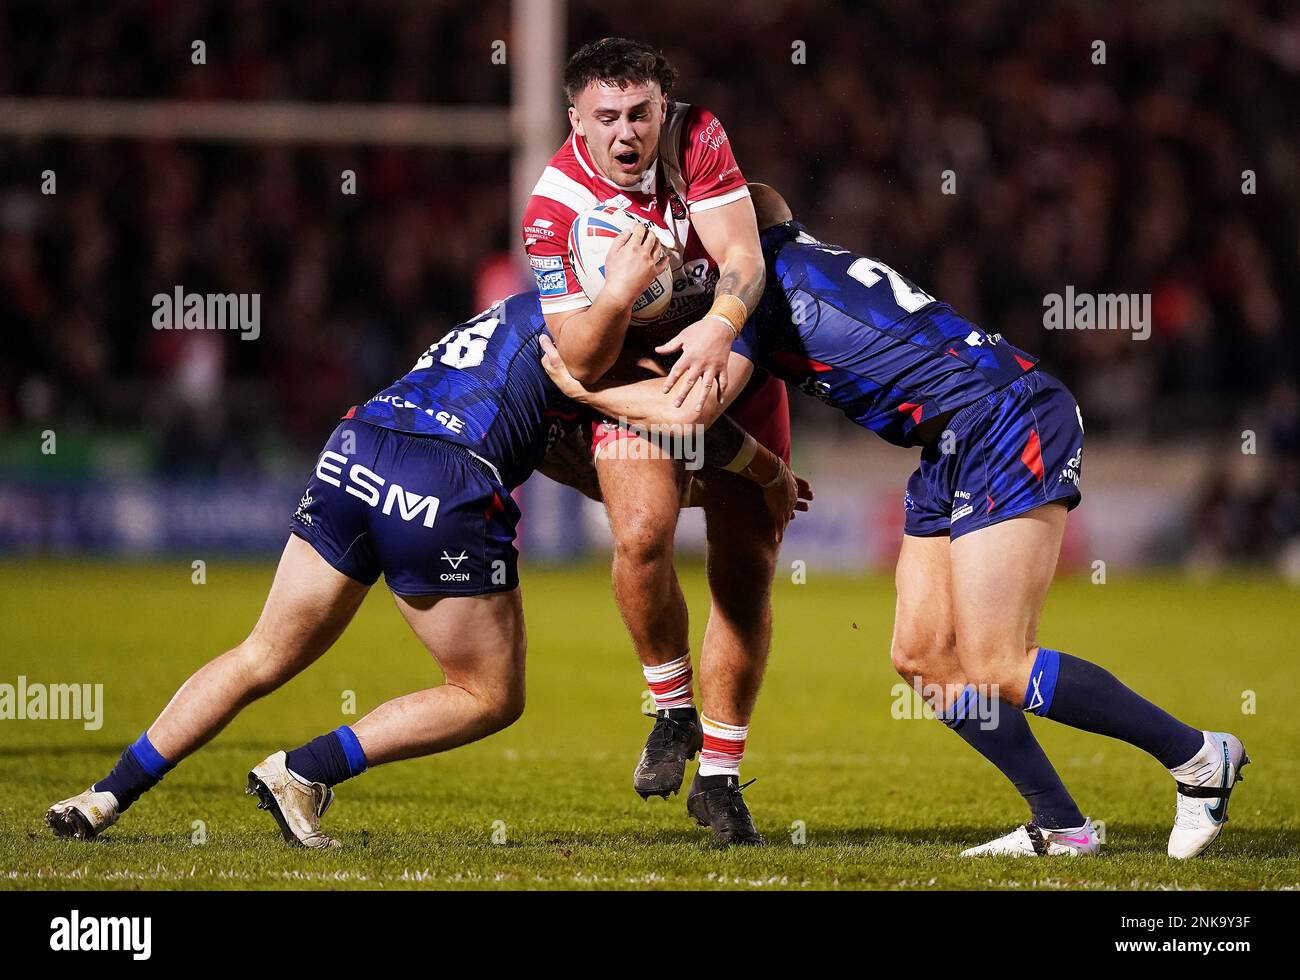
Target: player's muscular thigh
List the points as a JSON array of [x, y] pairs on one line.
[[1005, 572], [924, 641], [641, 499], [642, 494]]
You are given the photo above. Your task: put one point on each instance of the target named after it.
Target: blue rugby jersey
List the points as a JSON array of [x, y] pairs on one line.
[[482, 386], [853, 332]]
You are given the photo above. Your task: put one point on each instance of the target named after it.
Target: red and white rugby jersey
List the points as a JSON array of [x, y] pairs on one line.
[[695, 171]]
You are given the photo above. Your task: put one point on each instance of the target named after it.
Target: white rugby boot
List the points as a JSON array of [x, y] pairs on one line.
[[1031, 840], [296, 804], [1204, 784], [83, 816]]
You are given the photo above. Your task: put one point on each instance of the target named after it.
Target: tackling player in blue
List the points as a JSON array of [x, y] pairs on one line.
[[414, 485], [1001, 457]]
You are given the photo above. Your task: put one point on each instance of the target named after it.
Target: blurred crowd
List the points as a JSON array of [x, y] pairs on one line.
[[349, 285], [1120, 168]]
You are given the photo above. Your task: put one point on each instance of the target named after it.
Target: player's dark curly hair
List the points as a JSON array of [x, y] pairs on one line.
[[618, 60]]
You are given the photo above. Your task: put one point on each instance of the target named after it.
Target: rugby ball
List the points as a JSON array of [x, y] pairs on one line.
[[590, 238]]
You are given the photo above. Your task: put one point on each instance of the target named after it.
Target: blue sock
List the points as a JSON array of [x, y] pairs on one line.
[[1082, 695], [329, 758], [1011, 746], [139, 769]]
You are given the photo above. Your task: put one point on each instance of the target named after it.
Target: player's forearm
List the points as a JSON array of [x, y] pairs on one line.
[[726, 446], [646, 403], [591, 341], [729, 447], [742, 275]]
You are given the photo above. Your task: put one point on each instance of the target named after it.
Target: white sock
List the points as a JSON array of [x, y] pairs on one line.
[[1201, 766]]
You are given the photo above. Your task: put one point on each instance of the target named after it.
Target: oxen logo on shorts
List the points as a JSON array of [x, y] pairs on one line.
[[454, 561]]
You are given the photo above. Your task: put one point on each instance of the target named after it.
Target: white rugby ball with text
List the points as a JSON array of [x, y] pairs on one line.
[[590, 238]]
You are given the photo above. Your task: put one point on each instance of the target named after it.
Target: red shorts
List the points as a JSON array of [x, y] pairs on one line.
[[762, 410]]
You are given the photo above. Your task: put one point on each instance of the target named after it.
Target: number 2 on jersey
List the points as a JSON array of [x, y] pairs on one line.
[[906, 295]]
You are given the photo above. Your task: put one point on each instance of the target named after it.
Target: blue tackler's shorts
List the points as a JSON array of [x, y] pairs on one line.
[[999, 457], [427, 513]]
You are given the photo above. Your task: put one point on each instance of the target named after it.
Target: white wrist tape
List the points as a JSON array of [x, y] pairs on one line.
[[744, 456]]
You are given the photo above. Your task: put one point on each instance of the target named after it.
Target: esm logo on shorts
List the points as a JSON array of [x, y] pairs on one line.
[[366, 483]]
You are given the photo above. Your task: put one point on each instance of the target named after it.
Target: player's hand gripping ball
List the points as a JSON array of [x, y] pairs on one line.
[[639, 267]]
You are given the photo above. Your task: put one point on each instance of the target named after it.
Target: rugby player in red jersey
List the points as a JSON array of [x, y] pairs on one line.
[[671, 164]]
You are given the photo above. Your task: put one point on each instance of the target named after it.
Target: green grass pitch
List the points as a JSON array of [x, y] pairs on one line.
[[879, 802]]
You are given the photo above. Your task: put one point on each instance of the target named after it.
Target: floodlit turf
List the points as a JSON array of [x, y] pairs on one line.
[[883, 802]]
